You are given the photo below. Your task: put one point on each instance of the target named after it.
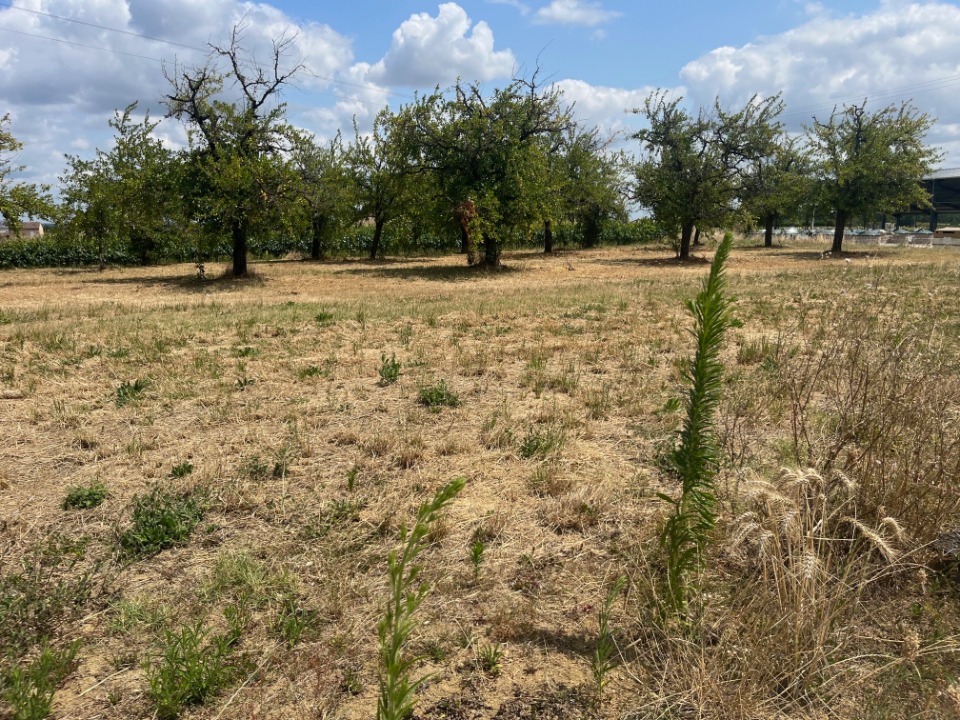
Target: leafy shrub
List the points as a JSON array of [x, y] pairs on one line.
[[82, 497], [437, 396], [161, 519], [389, 369]]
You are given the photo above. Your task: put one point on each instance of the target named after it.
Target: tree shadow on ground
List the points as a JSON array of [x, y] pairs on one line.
[[183, 283], [436, 273], [695, 261]]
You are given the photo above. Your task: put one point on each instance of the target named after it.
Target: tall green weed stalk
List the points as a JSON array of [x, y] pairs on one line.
[[694, 461], [407, 592]]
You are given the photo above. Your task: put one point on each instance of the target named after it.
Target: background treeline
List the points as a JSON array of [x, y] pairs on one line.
[[459, 170]]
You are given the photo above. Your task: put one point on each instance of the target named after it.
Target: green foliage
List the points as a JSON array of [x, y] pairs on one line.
[[693, 171], [41, 594], [29, 689], [235, 182], [602, 661], [489, 657], [17, 199], [490, 153], [389, 369], [694, 461], [126, 197], [407, 591], [870, 162], [82, 497], [161, 519], [542, 441], [129, 391], [194, 666], [437, 396], [181, 470], [294, 622], [476, 556]]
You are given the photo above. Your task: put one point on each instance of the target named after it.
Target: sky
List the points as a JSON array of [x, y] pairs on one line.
[[67, 65]]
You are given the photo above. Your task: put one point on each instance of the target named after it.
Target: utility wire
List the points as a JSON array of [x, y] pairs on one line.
[[81, 45], [141, 36]]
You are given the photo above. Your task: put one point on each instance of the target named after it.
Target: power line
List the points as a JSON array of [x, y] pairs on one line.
[[936, 84], [142, 36], [81, 45], [100, 27]]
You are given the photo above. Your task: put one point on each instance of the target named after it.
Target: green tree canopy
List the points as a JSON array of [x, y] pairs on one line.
[[695, 166], [869, 162], [127, 195], [18, 199], [488, 152]]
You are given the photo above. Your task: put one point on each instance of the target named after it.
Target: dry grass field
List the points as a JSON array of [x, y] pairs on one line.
[[258, 444]]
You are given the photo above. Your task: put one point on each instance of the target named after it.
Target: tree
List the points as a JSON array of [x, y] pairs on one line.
[[589, 183], [778, 182], [695, 167], [871, 161], [324, 192], [128, 194], [487, 153], [239, 178], [382, 174], [18, 199]]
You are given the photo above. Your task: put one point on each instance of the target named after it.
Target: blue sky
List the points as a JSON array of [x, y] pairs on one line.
[[67, 65]]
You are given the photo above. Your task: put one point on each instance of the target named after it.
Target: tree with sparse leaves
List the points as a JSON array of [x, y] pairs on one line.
[[239, 179], [871, 162], [18, 199], [778, 181]]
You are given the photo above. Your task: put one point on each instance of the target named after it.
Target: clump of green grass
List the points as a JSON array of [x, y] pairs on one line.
[[83, 497], [324, 317], [542, 441], [437, 396], [193, 667], [29, 689], [131, 391], [161, 519]]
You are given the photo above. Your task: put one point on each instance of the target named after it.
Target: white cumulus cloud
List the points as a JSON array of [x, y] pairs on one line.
[[428, 50], [901, 51], [575, 12]]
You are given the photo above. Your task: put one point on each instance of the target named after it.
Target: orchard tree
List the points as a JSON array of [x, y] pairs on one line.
[[778, 182], [487, 153], [591, 182], [694, 169], [18, 200], [239, 177], [127, 195], [323, 194], [871, 162], [383, 174]]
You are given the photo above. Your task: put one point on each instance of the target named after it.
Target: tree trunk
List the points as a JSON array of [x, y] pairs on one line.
[[686, 233], [838, 231], [768, 231], [238, 233], [491, 251], [377, 235], [696, 237], [591, 231], [316, 238], [548, 236]]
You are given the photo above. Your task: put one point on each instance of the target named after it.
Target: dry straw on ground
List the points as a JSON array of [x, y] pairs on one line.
[[565, 369]]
